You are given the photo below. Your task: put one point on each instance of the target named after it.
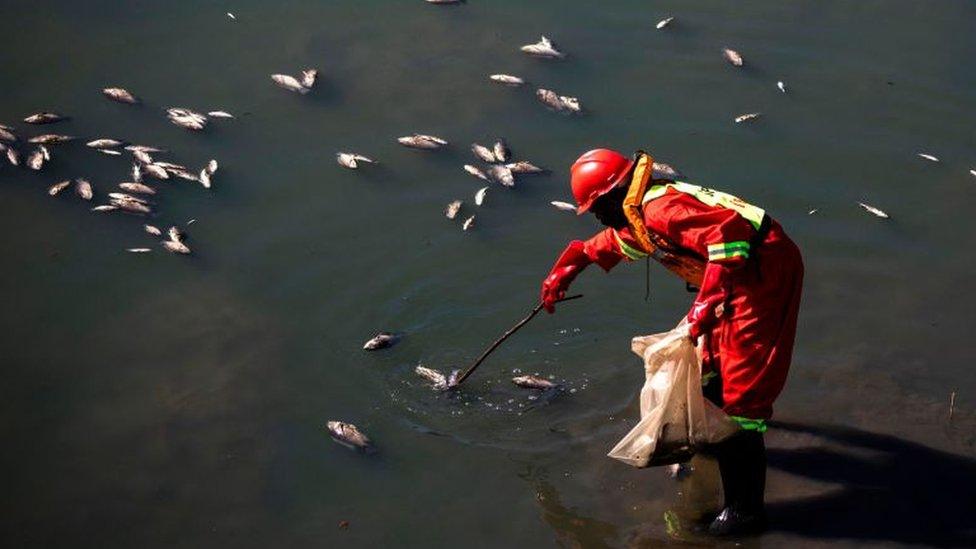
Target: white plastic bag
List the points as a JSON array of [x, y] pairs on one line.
[[675, 418]]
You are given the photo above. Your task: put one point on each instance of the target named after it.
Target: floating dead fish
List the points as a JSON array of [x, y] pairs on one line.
[[126, 198], [205, 178], [121, 95], [524, 166], [231, 15], [169, 165], [186, 118], [663, 23], [138, 250], [502, 175], [152, 229], [104, 143], [45, 153], [53, 190], [543, 48], [781, 86], [7, 135], [507, 79], [220, 114], [175, 247], [44, 118], [155, 171], [136, 187], [50, 139], [479, 197], [873, 210], [732, 56], [564, 206], [132, 206], [534, 382], [746, 117], [349, 436], [289, 83], [439, 381], [928, 157], [175, 234], [484, 153], [813, 211], [662, 170], [468, 223], [13, 156], [84, 189], [183, 174], [35, 160], [381, 340], [144, 157], [144, 148], [501, 150], [105, 208], [308, 77], [212, 166], [972, 172], [476, 171], [136, 172], [421, 141], [558, 102], [452, 209], [351, 160]]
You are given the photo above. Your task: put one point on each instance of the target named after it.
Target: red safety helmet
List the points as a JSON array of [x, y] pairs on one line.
[[595, 174]]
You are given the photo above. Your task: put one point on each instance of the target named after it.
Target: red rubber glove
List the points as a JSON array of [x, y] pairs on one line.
[[570, 263], [713, 292]]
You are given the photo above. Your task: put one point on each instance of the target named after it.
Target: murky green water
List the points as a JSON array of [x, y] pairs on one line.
[[155, 400]]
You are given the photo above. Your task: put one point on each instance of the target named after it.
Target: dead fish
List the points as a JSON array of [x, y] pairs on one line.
[[564, 206], [476, 171], [231, 15], [543, 48], [558, 102], [351, 160], [484, 153], [137, 188], [168, 165], [204, 178], [44, 118], [502, 175], [110, 152], [662, 170], [212, 166], [813, 211], [143, 157], [176, 247], [132, 207], [84, 189], [479, 197], [533, 382], [289, 83], [663, 23], [104, 143], [972, 172], [50, 139], [105, 208], [113, 197], [46, 153], [175, 234], [507, 79], [746, 117], [136, 172], [220, 114], [13, 156], [308, 77], [928, 157], [501, 150], [468, 223], [781, 86], [186, 118], [7, 135], [144, 148], [381, 340], [183, 174], [732, 56], [53, 190], [152, 229], [349, 436], [121, 95], [524, 166], [452, 209], [873, 210], [437, 379], [35, 160], [420, 141], [155, 171], [138, 250]]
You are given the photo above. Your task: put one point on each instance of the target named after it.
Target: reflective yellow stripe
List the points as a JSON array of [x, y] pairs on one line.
[[631, 252], [727, 250], [747, 424], [750, 213]]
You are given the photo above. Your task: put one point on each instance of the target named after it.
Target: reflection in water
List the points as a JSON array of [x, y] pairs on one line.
[[571, 528]]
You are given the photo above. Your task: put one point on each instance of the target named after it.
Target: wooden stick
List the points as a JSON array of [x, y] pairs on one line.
[[505, 336], [952, 404]]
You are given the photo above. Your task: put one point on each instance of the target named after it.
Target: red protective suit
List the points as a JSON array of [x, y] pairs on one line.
[[757, 279]]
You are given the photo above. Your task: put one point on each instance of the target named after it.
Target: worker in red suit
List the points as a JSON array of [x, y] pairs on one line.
[[745, 312]]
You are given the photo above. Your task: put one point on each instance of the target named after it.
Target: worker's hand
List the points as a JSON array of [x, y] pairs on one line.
[[564, 271]]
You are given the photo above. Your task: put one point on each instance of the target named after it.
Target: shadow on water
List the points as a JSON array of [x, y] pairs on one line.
[[900, 491]]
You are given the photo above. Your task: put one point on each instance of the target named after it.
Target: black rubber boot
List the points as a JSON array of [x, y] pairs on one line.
[[742, 464]]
